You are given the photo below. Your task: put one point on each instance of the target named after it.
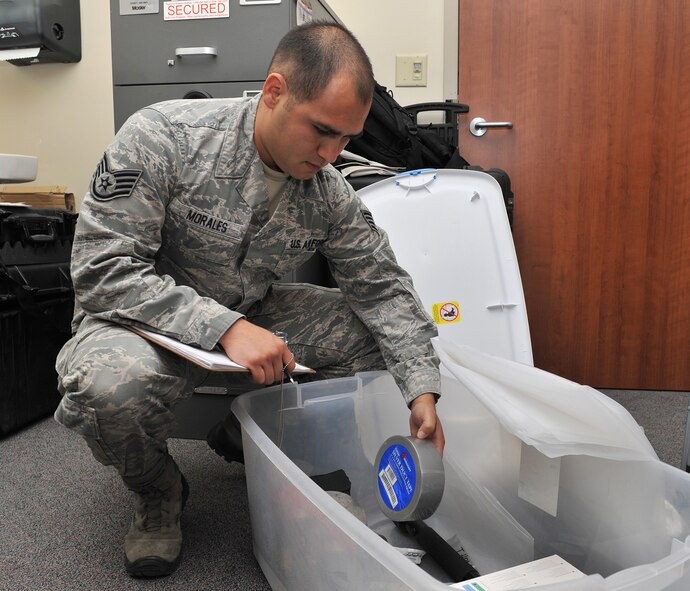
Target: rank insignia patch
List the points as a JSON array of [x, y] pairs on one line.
[[369, 219], [107, 184]]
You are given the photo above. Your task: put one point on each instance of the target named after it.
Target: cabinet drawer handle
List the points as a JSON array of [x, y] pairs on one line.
[[180, 51]]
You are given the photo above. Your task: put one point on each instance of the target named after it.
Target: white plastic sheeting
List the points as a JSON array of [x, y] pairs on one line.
[[556, 416]]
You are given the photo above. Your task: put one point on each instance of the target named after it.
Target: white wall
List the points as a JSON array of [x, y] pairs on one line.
[[387, 28], [63, 113]]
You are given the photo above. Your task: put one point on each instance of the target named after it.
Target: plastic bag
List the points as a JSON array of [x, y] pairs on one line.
[[556, 416]]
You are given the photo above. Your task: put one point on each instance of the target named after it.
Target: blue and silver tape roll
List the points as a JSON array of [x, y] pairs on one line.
[[409, 478]]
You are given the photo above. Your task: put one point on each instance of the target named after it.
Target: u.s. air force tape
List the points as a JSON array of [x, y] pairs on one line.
[[409, 478]]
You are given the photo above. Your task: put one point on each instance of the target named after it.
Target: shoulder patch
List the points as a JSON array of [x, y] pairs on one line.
[[369, 219], [107, 184]]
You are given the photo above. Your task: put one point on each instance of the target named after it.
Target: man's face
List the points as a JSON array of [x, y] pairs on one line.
[[301, 138]]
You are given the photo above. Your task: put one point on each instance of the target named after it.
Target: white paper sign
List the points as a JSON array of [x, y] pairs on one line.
[[176, 10], [139, 7], [305, 13]]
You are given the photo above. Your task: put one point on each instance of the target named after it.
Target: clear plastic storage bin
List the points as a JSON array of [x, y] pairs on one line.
[[624, 523]]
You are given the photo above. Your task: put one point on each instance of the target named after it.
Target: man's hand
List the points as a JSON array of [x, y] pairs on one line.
[[424, 422], [259, 350]]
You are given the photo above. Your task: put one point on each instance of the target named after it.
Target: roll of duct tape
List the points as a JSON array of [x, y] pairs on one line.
[[409, 478]]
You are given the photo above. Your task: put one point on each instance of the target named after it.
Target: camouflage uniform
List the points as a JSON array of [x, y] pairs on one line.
[[175, 236]]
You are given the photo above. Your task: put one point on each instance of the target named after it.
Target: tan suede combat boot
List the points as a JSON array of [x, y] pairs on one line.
[[153, 544]]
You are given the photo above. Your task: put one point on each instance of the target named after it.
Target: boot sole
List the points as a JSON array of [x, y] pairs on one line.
[[150, 567]]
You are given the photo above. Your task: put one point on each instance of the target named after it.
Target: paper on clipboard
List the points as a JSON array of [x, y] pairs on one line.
[[211, 360]]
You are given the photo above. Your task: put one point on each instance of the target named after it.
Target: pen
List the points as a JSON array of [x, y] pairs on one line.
[[282, 335]]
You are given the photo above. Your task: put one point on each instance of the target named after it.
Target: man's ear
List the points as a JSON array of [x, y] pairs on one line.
[[274, 89]]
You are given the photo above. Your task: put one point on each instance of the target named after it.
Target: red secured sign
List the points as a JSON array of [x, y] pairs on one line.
[[175, 10]]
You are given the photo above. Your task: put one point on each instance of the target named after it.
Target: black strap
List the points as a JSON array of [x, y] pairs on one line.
[[455, 566]]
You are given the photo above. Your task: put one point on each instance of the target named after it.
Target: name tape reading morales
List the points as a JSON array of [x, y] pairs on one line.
[[194, 9]]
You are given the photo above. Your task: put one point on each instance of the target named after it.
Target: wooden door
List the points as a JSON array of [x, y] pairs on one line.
[[599, 157]]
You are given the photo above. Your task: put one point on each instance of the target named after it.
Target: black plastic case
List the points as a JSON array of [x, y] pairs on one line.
[[36, 305]]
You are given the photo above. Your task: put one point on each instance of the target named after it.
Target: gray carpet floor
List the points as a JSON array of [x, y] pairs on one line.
[[63, 516], [662, 415]]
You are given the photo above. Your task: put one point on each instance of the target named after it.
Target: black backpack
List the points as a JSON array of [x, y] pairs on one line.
[[392, 136]]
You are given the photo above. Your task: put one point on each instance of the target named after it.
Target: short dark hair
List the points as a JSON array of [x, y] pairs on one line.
[[311, 54]]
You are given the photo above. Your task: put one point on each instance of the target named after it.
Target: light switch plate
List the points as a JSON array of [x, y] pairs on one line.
[[411, 70]]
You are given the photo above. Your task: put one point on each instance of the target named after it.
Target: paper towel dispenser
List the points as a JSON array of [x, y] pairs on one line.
[[40, 31]]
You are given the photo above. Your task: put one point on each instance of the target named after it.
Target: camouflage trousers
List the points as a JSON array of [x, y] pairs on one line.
[[119, 390]]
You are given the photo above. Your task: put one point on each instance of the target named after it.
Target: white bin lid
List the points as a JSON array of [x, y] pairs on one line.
[[449, 229]]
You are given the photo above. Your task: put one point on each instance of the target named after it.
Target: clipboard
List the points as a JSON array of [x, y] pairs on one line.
[[211, 360]]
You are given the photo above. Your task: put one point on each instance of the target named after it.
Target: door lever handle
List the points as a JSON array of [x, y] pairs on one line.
[[479, 126]]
